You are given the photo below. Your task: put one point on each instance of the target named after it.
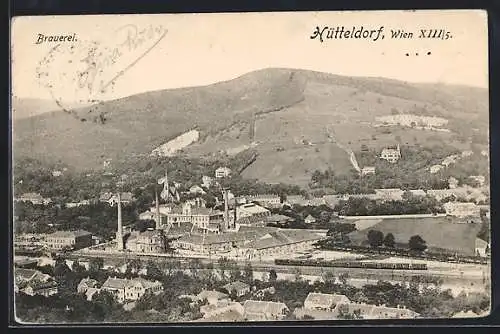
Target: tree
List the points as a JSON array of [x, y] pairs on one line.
[[96, 264], [61, 269], [153, 271], [133, 266], [248, 272], [233, 295], [389, 240], [77, 267], [342, 228], [375, 238], [273, 276], [416, 243], [328, 276]]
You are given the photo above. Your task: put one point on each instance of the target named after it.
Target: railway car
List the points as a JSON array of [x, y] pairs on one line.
[[352, 264]]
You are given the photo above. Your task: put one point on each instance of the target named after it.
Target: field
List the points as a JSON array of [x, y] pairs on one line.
[[439, 233]]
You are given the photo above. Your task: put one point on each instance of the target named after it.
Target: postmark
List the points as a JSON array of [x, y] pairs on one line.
[[87, 70]]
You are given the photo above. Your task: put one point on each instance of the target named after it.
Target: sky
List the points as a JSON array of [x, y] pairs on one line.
[[200, 49]]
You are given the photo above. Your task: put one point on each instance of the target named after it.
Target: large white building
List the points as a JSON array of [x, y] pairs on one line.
[[222, 172], [391, 154]]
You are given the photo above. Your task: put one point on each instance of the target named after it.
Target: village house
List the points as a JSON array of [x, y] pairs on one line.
[[33, 198], [87, 283], [459, 209], [22, 275], [125, 198], [130, 290], [33, 282], [368, 311], [255, 310], [150, 241], [222, 172], [197, 190], [69, 239], [367, 170], [309, 219], [324, 301], [56, 173], [45, 289], [391, 154], [482, 248], [238, 287], [222, 309]]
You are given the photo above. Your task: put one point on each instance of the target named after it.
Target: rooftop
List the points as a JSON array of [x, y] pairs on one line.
[[325, 299], [265, 307]]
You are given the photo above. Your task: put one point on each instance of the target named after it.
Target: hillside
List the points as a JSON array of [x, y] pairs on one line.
[[29, 107], [296, 120]]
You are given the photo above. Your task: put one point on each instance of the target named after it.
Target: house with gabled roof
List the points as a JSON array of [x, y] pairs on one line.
[[86, 283], [324, 301], [310, 219], [69, 239], [257, 310], [240, 288], [130, 290]]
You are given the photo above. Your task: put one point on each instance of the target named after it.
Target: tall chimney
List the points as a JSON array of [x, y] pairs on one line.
[[235, 213], [226, 209], [119, 233], [158, 217]]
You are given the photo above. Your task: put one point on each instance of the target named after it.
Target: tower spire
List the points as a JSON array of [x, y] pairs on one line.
[[158, 217]]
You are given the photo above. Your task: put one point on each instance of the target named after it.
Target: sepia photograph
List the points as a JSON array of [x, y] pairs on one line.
[[250, 167]]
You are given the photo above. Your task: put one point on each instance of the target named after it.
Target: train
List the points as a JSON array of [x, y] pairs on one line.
[[351, 264]]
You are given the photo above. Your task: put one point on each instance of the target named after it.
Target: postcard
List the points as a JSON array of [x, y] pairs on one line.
[[250, 167]]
